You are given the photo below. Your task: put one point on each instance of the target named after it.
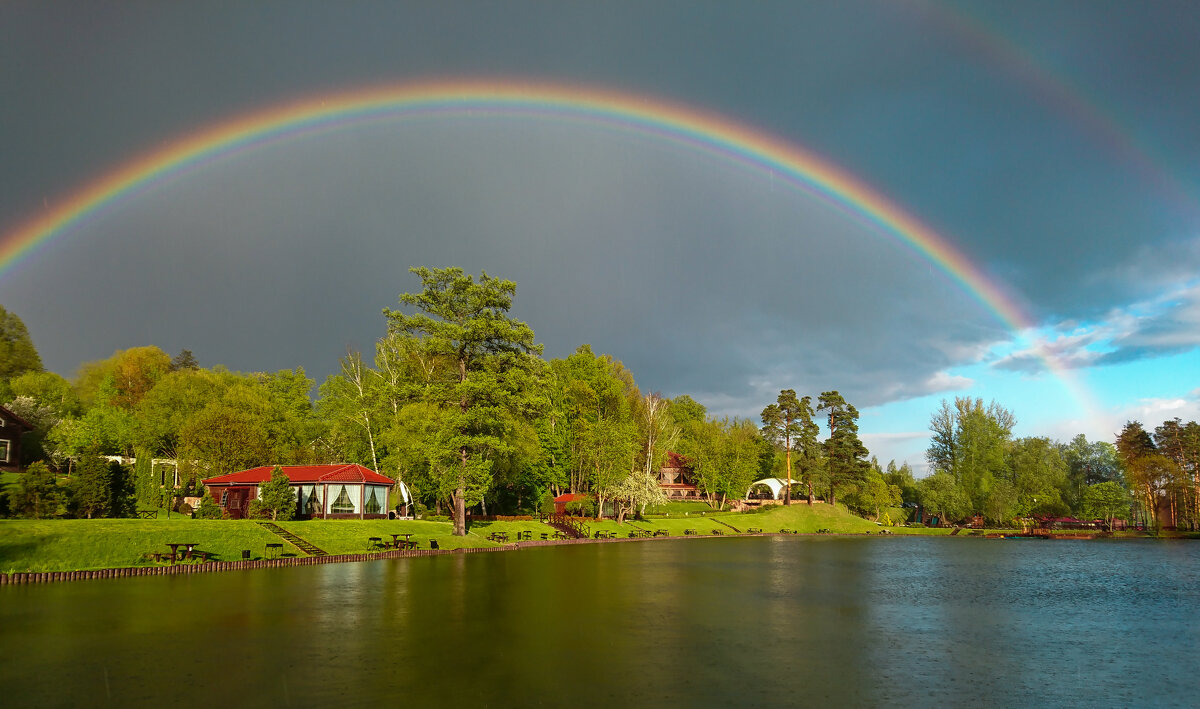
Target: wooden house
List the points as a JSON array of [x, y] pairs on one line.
[[677, 479], [12, 427]]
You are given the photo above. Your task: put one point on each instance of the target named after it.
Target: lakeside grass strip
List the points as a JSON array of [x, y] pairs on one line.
[[54, 546]]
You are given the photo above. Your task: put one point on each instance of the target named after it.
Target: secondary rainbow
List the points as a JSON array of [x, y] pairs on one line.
[[671, 121]]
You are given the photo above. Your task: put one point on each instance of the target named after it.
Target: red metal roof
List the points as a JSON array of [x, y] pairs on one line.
[[338, 472], [572, 497]]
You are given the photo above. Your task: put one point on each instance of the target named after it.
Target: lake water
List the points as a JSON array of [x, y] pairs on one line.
[[713, 622]]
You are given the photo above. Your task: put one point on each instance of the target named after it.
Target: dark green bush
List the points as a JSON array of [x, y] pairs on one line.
[[208, 509]]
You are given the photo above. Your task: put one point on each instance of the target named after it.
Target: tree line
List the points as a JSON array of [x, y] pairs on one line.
[[979, 468], [457, 401]]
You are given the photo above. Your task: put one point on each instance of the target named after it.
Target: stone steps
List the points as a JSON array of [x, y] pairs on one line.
[[292, 539]]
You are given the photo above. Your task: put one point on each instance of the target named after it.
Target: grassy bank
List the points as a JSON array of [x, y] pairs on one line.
[[81, 544], [76, 545]]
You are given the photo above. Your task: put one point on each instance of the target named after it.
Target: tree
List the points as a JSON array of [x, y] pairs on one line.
[[902, 478], [1105, 501], [35, 494], [1181, 443], [184, 361], [494, 361], [638, 491], [165, 410], [724, 456], [225, 438], [123, 379], [970, 442], [1039, 473], [846, 456], [685, 410], [597, 408], [941, 495], [353, 397], [147, 491], [874, 494], [100, 488], [786, 421], [1146, 470], [277, 496], [1002, 503], [1088, 463], [17, 353]]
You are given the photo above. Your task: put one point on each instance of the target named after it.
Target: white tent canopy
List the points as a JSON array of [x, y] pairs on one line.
[[776, 486]]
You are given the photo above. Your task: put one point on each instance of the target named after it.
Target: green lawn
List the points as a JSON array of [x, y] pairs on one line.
[[679, 508], [804, 518], [349, 536], [511, 528], [80, 544], [75, 544]]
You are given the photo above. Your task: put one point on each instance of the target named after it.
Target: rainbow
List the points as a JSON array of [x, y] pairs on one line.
[[671, 121]]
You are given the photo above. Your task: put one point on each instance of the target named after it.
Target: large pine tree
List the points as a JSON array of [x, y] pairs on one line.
[[491, 381]]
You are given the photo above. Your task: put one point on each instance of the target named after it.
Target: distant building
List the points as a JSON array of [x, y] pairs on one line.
[[561, 502], [677, 478], [339, 491], [12, 427]]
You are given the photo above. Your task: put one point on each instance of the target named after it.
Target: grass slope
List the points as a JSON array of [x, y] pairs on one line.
[[80, 544], [803, 518]]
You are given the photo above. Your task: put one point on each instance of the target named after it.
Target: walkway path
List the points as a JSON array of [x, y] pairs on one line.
[[292, 539]]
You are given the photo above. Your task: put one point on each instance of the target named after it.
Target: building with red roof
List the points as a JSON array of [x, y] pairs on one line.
[[338, 491]]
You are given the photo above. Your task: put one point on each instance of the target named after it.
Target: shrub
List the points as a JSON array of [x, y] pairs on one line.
[[436, 518], [582, 508], [184, 508], [208, 509]]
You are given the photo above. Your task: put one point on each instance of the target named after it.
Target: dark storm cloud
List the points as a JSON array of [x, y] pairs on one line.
[[700, 276]]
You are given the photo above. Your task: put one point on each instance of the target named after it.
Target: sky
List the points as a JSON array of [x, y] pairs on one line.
[[1051, 144]]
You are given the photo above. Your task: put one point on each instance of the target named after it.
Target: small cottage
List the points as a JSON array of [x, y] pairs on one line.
[[338, 491], [12, 427]]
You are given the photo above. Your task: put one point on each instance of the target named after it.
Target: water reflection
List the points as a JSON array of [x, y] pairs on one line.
[[746, 622]]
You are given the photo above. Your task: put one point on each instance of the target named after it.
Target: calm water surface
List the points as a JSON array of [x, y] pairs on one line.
[[720, 622]]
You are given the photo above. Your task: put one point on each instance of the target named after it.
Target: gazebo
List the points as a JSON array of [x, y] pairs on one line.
[[338, 491]]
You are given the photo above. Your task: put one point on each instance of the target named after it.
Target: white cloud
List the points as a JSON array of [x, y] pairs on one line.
[[1105, 425], [1166, 324]]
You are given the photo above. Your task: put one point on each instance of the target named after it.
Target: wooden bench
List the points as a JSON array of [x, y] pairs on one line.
[[147, 514]]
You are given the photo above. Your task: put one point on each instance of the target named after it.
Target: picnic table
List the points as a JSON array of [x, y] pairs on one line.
[[689, 532], [754, 530], [559, 535], [372, 543], [498, 536], [175, 547], [661, 533], [396, 539], [717, 532], [273, 551]]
